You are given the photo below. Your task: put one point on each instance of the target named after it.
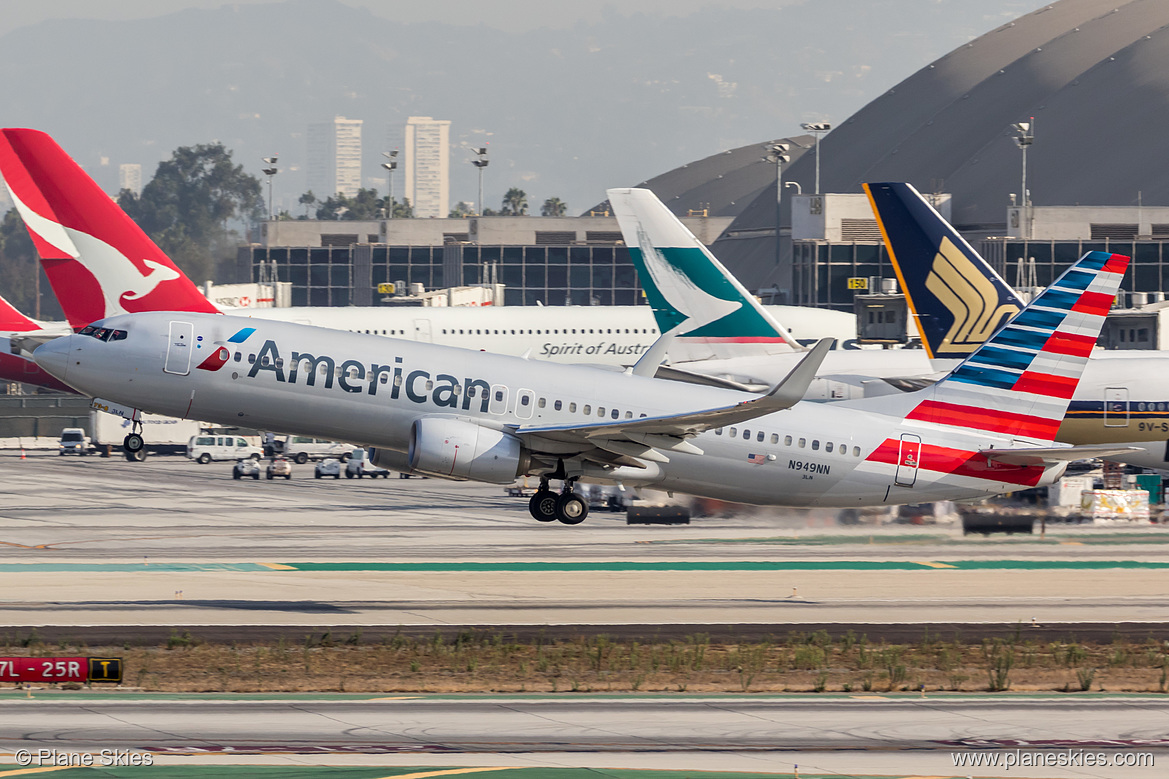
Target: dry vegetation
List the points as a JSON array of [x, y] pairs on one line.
[[489, 662]]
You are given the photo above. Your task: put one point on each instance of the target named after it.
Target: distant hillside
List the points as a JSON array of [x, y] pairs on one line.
[[569, 112]]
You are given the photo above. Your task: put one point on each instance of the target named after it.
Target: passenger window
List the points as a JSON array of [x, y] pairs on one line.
[[734, 432], [775, 438], [815, 445], [746, 435], [844, 448], [499, 394], [252, 357], [238, 356], [524, 400], [600, 411], [557, 405], [759, 436], [787, 440], [383, 378], [572, 408], [615, 414], [429, 386], [587, 409], [856, 451], [397, 380], [827, 446], [803, 442], [718, 431], [629, 415], [541, 403], [471, 391]]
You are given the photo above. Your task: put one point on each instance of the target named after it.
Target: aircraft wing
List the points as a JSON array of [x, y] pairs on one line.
[[784, 395], [1060, 454]]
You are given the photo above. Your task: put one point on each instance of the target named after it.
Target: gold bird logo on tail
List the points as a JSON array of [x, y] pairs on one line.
[[971, 298]]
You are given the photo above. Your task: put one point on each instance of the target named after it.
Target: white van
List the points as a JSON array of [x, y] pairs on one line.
[[300, 449], [205, 448]]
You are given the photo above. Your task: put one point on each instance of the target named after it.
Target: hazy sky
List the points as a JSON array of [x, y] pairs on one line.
[[506, 14]]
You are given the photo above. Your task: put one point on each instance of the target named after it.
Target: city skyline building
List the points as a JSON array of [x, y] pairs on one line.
[[130, 177], [427, 158], [334, 157]]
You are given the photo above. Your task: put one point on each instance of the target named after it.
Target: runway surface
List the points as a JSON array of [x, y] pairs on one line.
[[846, 735], [94, 541]]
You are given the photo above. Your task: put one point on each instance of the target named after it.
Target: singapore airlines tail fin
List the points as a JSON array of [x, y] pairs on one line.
[[98, 261], [693, 296], [955, 296], [1019, 382]]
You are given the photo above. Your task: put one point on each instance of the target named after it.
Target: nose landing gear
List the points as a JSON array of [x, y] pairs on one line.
[[567, 507]]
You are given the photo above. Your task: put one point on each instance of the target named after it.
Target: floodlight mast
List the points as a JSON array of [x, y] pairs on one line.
[[270, 171], [391, 164], [817, 129], [777, 155], [480, 162], [1024, 137]]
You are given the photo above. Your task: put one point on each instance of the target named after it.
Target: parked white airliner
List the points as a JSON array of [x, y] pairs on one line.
[[987, 428]]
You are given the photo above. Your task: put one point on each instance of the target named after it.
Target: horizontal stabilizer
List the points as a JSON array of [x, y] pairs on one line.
[[1058, 454]]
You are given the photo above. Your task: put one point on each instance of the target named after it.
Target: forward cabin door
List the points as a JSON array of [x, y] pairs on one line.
[[422, 330], [178, 349], [908, 460]]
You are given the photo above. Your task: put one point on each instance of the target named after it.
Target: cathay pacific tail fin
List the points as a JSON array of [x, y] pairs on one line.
[[692, 294]]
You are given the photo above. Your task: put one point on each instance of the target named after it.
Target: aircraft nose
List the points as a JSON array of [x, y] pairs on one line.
[[53, 356]]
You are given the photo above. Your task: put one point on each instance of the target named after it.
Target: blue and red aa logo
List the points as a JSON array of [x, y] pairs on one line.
[[221, 355]]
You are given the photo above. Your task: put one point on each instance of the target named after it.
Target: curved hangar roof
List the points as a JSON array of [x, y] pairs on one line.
[[1093, 73]]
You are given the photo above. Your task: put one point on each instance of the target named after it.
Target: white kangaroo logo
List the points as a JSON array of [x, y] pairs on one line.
[[116, 274]]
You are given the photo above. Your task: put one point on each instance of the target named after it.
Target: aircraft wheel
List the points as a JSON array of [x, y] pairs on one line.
[[133, 442], [542, 505], [571, 509]]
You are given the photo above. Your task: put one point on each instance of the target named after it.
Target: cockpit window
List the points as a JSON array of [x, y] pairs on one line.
[[103, 333]]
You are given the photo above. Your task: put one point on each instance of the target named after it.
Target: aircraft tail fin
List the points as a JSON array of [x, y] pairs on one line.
[[692, 294], [98, 261], [12, 321], [1021, 380], [956, 298]]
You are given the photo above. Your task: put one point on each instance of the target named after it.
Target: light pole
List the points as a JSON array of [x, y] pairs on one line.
[[1025, 137], [480, 162], [777, 155], [817, 129], [391, 164], [270, 171]]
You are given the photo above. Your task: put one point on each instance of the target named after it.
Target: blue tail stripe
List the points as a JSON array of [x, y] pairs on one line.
[[1057, 298], [985, 377], [1043, 320], [1077, 280], [1025, 339], [1094, 260], [1004, 358]]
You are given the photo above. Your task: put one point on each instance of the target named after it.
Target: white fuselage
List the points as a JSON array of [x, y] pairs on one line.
[[370, 391], [596, 335]]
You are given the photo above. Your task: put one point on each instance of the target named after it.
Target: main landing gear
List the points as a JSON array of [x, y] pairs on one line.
[[133, 445], [567, 507]]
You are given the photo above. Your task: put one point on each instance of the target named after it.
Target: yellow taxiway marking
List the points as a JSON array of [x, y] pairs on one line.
[[278, 566], [450, 772], [930, 564], [397, 698], [868, 697], [1071, 543], [23, 771]]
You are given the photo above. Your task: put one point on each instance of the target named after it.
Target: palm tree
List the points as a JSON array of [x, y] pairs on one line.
[[515, 202], [307, 200], [554, 206]]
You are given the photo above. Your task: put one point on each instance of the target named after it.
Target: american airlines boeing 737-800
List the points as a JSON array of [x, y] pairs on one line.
[[987, 428]]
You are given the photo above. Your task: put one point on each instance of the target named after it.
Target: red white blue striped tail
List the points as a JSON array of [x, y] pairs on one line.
[[1019, 382]]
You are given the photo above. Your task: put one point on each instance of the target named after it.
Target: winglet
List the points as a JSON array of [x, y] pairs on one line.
[[794, 386], [647, 364]]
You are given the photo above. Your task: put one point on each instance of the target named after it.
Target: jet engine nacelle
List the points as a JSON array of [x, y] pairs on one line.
[[457, 449], [390, 460]]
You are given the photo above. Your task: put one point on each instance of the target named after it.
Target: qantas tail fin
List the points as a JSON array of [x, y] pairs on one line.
[[956, 297], [12, 321], [98, 261], [1020, 381], [692, 294]]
